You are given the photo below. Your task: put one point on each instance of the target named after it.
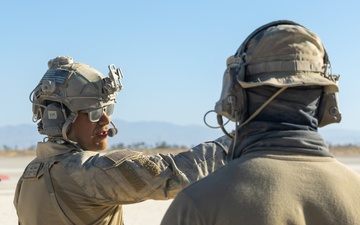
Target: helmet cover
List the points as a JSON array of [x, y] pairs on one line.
[[286, 55]]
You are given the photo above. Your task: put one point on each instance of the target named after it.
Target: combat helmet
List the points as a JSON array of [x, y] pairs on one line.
[[68, 87], [281, 54]]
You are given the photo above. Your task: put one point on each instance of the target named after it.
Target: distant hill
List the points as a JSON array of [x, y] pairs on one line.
[[151, 133], [26, 135]]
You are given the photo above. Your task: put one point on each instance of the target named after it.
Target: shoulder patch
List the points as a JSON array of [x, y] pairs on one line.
[[33, 171]]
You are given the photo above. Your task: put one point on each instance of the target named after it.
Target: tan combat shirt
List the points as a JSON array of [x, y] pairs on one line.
[[271, 189], [65, 185]]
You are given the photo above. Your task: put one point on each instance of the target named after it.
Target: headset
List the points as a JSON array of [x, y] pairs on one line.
[[233, 100]]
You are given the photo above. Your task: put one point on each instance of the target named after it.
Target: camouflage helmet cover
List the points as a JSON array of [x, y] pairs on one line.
[[286, 55]]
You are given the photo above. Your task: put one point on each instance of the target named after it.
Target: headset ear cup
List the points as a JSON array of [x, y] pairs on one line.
[[328, 111], [232, 102], [53, 119], [233, 97], [224, 105]]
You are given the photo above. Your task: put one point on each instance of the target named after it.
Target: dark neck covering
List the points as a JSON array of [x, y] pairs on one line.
[[288, 125], [279, 138]]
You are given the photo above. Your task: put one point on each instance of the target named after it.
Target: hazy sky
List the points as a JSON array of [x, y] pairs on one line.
[[172, 53]]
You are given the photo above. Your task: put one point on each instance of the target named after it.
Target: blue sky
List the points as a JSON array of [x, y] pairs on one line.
[[172, 53]]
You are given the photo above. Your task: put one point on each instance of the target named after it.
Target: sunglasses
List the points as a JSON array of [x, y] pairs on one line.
[[96, 114]]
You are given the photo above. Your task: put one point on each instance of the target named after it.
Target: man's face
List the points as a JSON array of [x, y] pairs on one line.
[[90, 136]]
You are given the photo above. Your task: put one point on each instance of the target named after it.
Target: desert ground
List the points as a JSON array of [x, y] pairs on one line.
[[148, 212]]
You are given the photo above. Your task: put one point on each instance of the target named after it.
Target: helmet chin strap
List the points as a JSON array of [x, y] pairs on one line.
[[69, 120]]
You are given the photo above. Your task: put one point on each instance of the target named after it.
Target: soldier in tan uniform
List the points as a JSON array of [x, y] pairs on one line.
[[71, 180], [278, 90]]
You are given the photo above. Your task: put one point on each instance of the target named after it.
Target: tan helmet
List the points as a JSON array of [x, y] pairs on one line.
[[282, 54], [286, 55], [67, 88]]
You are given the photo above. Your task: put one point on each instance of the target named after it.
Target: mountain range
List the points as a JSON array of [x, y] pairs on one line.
[[25, 136]]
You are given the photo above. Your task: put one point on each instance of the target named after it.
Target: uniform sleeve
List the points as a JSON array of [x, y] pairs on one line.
[[126, 176], [194, 164], [182, 211]]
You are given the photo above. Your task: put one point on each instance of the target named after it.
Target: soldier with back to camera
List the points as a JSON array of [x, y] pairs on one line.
[[278, 90], [71, 180]]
